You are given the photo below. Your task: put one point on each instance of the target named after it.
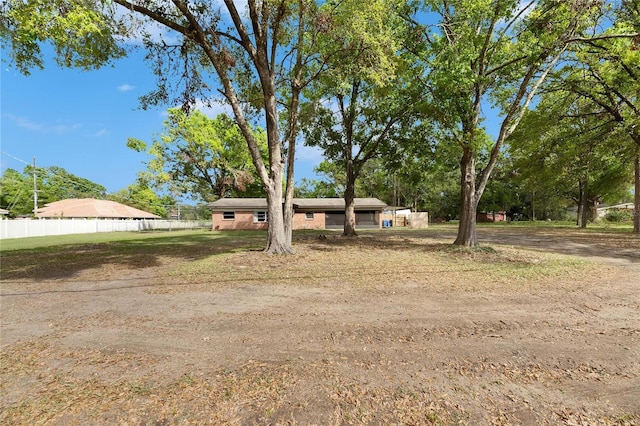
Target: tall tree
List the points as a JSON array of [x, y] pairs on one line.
[[206, 158], [564, 146], [604, 72], [490, 55], [361, 104], [256, 61], [367, 119]]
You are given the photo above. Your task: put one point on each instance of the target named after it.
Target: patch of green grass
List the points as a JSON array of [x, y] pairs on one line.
[[600, 226], [68, 255], [126, 238]]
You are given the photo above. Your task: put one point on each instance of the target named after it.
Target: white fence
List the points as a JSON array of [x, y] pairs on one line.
[[47, 227]]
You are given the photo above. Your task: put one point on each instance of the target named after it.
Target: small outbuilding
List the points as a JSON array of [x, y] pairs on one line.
[[91, 208], [309, 213], [491, 217]]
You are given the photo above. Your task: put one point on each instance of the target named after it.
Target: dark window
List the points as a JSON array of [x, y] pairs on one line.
[[308, 215], [366, 218], [228, 215], [334, 219]]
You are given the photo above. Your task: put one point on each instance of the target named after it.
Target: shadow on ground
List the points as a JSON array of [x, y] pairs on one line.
[[71, 260]]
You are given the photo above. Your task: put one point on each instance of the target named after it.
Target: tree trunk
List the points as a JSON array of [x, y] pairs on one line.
[[579, 214], [579, 204], [294, 106], [584, 206], [288, 199], [533, 206], [636, 204], [349, 203], [467, 227], [277, 241]]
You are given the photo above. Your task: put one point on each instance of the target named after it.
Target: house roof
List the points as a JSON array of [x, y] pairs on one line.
[[298, 203], [90, 207], [337, 203], [617, 206], [239, 204]]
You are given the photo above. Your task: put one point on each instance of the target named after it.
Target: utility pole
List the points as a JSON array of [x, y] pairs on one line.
[[35, 188]]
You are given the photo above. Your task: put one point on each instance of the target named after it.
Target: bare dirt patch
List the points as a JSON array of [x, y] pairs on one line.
[[388, 328]]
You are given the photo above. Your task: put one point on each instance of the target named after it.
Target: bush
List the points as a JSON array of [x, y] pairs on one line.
[[619, 215]]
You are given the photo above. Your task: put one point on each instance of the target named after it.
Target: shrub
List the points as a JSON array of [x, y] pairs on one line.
[[619, 215]]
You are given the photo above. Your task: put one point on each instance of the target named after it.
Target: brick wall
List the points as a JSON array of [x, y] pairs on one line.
[[243, 220], [300, 221]]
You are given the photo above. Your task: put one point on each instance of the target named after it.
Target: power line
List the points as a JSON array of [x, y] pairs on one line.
[[48, 172], [15, 158]]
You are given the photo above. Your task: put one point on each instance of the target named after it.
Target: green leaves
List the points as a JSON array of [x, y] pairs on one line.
[[53, 184], [81, 34], [359, 42], [203, 157]]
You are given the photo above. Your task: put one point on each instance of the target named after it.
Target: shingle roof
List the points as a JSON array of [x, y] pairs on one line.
[[298, 203], [337, 203], [90, 207], [239, 204]]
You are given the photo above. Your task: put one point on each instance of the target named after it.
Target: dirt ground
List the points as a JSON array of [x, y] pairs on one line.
[[394, 328]]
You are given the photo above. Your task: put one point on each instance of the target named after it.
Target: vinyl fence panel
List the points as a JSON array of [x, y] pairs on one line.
[[49, 227]]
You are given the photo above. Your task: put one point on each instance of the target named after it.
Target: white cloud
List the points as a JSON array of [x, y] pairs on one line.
[[63, 128], [126, 88], [214, 109], [100, 133], [28, 124]]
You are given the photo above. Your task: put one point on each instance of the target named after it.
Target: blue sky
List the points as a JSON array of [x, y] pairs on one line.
[[81, 120]]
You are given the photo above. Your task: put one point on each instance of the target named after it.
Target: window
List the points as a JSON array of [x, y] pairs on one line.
[[308, 215], [260, 216], [228, 215]]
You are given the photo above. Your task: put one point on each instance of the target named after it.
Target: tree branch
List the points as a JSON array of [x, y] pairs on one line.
[[158, 17]]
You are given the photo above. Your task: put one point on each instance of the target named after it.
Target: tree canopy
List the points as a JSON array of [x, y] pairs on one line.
[[51, 183], [201, 157]]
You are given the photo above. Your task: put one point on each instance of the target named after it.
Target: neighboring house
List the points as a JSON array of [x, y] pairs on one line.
[[91, 208], [491, 217], [3, 213], [309, 213], [603, 210]]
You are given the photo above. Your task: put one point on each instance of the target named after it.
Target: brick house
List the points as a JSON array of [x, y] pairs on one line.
[[309, 213]]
